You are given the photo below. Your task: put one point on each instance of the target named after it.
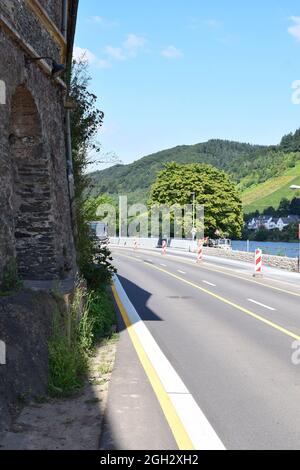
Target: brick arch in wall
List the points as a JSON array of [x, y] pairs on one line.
[[33, 220]]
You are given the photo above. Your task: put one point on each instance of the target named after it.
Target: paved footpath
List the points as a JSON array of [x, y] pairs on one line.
[[133, 419]]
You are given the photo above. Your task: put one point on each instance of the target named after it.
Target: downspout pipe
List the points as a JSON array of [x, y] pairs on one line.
[[70, 173], [64, 28]]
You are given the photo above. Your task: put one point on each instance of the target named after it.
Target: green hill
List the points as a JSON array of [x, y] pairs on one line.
[[263, 173]]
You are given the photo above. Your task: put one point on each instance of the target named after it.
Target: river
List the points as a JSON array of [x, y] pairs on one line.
[[271, 248]]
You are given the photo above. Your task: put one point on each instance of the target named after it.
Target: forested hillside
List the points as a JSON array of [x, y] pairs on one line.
[[249, 166]]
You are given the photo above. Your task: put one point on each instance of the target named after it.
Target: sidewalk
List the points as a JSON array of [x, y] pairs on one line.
[[133, 418]]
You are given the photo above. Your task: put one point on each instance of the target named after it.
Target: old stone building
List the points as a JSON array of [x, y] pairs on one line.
[[36, 39]]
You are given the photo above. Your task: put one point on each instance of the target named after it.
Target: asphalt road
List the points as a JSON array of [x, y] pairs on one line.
[[229, 337]]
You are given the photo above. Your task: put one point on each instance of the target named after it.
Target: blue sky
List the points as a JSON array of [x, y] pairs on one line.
[[178, 72]]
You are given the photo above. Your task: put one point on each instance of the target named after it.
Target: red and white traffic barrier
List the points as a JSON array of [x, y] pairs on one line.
[[164, 248], [258, 262], [200, 251]]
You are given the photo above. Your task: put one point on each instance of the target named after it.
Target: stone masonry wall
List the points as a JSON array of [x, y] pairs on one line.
[[54, 10], [25, 326], [34, 198], [28, 27]]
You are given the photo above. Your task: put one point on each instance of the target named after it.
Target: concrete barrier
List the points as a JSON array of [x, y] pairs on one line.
[[129, 242], [186, 245]]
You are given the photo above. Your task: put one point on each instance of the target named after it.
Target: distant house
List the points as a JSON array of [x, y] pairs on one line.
[[263, 221], [271, 223], [252, 224], [285, 221]]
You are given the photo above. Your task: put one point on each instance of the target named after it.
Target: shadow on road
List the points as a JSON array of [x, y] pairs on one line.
[[140, 298]]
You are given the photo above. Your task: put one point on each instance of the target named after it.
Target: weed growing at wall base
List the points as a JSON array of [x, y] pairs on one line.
[[67, 361], [75, 334]]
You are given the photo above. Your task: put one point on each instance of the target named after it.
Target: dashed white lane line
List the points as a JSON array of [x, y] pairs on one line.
[[198, 428], [164, 265], [209, 283], [261, 305], [181, 272]]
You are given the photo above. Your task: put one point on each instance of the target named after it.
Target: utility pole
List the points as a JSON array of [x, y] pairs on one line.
[[194, 200]]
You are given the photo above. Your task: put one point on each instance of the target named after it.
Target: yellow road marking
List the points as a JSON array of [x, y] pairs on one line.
[[197, 265], [180, 435], [226, 301]]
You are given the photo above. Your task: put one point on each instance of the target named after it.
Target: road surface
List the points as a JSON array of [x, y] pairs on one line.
[[228, 336]]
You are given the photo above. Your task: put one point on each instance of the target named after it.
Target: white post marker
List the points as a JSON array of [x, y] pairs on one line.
[[200, 251], [164, 248], [135, 245], [258, 263], [2, 353], [2, 92]]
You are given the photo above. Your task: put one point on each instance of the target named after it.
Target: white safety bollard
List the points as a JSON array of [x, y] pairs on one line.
[[164, 248]]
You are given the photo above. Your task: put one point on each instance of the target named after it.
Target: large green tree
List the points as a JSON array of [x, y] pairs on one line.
[[213, 189]]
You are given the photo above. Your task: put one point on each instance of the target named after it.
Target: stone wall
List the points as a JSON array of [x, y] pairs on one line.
[[35, 220], [54, 10], [280, 262], [25, 328], [28, 26]]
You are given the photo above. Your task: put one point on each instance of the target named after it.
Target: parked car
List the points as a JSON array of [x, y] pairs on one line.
[[222, 243]]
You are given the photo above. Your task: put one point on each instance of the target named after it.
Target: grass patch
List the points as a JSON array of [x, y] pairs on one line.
[[97, 320], [67, 360], [105, 369], [113, 339], [91, 317]]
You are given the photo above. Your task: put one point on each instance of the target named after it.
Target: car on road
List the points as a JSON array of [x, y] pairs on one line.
[[222, 243]]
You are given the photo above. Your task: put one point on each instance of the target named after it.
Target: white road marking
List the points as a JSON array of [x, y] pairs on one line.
[[209, 283], [200, 431], [164, 265], [261, 305], [181, 272]]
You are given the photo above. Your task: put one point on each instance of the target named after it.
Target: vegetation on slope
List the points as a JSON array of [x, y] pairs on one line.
[[249, 165], [272, 192], [136, 179]]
